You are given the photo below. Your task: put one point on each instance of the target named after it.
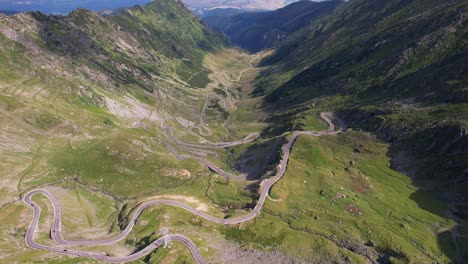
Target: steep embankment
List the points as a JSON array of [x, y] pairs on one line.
[[262, 30]]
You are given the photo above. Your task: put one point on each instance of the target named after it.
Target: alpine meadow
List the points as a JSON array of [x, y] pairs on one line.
[[266, 132]]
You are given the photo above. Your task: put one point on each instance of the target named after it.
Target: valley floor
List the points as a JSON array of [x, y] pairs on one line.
[[336, 199]]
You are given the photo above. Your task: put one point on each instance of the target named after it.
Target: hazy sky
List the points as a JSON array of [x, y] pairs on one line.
[[65, 6], [245, 4]]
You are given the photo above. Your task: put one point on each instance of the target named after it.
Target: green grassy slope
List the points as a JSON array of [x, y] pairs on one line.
[[87, 77], [373, 50], [394, 68], [410, 58], [327, 209], [170, 28], [95, 80], [82, 99]]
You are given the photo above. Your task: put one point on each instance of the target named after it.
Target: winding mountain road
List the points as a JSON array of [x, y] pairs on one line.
[[56, 235], [250, 67], [194, 151], [227, 102]]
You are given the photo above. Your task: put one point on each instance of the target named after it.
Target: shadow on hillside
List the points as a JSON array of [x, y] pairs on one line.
[[447, 243], [436, 159], [258, 159]]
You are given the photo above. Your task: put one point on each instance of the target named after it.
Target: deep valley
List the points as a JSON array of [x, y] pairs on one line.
[[321, 132]]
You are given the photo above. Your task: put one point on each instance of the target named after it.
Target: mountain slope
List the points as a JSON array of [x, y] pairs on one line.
[[170, 28], [393, 68], [386, 39], [115, 69], [82, 101], [127, 46], [221, 12], [262, 30]]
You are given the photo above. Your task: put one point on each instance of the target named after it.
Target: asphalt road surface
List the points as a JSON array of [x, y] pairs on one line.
[[63, 244]]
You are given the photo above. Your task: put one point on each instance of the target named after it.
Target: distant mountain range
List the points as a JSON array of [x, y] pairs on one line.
[[65, 6], [222, 12], [7, 12], [238, 4], [199, 6], [255, 31]]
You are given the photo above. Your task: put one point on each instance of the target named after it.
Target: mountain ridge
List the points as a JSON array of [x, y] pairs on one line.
[[257, 31], [80, 38]]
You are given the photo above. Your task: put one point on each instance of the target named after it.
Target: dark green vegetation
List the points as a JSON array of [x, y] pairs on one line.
[[176, 33], [360, 211], [403, 77], [393, 68], [142, 39], [261, 30], [81, 85]]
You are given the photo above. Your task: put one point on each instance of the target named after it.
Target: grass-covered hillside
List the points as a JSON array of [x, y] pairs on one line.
[[161, 39], [78, 92], [82, 101], [377, 51], [262, 30], [394, 68], [171, 29]]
